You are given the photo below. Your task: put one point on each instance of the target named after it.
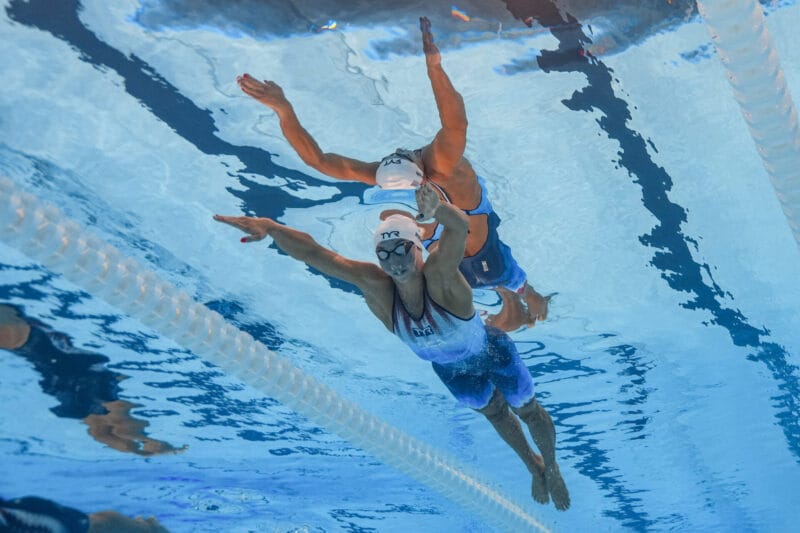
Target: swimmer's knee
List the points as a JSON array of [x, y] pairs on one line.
[[529, 411], [495, 413], [497, 408]]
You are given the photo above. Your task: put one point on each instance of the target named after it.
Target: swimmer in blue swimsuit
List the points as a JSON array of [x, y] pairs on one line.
[[487, 261], [80, 383], [33, 514], [428, 305]]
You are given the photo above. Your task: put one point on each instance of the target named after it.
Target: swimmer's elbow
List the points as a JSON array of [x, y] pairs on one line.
[[463, 220], [462, 229], [314, 159], [453, 219], [454, 117]]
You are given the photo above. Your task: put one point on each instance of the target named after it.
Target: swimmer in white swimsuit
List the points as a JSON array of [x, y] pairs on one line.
[[428, 304]]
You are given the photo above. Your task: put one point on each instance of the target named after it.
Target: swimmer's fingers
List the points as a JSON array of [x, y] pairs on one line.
[[231, 221], [248, 83], [543, 314], [246, 80], [265, 91], [428, 46], [425, 26], [254, 227], [427, 201], [252, 238]]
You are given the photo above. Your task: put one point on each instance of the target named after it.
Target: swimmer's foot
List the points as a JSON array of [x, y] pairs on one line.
[[557, 487], [537, 305], [512, 315], [539, 488]]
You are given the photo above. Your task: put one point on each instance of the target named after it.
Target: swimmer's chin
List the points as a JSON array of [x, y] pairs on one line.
[[403, 275]]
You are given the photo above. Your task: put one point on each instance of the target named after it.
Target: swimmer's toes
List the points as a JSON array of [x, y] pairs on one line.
[[563, 503], [558, 489], [539, 489], [545, 308]]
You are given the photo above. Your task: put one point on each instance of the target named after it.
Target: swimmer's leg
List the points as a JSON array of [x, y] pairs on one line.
[[544, 435], [509, 428]]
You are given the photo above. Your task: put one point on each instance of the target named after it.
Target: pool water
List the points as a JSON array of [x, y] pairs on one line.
[[628, 186]]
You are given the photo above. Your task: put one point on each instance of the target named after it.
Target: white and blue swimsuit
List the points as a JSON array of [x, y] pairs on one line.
[[471, 359]]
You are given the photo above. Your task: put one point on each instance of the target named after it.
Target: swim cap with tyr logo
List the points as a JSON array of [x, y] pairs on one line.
[[397, 227], [398, 171]]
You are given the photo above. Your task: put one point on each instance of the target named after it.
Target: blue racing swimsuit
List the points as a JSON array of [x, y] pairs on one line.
[[78, 380], [37, 514], [493, 266], [471, 359]]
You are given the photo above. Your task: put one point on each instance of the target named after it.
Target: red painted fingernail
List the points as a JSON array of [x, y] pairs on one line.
[[243, 239]]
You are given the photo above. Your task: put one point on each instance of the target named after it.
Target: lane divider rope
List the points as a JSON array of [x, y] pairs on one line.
[[746, 49]]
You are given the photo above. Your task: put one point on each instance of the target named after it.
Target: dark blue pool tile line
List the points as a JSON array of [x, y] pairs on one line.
[[673, 254], [192, 123], [626, 503], [166, 102]]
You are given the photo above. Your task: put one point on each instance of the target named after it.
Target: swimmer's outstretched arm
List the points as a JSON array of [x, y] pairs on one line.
[[447, 148], [303, 247], [336, 166]]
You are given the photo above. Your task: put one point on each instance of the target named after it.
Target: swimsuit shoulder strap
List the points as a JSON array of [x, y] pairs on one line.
[[484, 206], [440, 189]]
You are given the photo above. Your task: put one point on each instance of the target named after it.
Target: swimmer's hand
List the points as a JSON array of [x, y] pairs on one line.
[[428, 202], [108, 521], [256, 228], [267, 92], [432, 56]]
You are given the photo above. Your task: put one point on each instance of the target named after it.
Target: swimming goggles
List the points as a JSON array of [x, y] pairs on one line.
[[401, 250]]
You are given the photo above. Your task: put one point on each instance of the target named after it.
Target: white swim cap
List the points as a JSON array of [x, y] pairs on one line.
[[396, 171], [397, 227]]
